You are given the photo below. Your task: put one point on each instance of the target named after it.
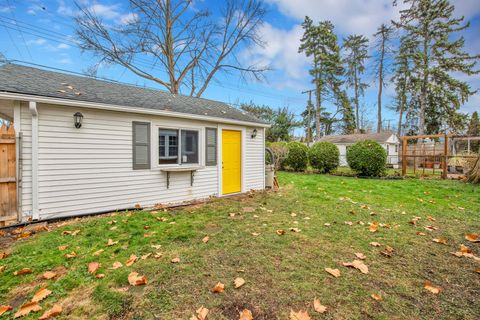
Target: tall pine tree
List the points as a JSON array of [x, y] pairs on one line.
[[356, 54], [430, 27]]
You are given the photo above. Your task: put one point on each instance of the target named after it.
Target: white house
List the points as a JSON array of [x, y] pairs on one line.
[[88, 146], [388, 140]]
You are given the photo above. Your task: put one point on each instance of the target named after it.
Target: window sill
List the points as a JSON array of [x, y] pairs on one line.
[[181, 168]]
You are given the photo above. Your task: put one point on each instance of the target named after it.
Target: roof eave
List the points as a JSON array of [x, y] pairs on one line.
[[111, 107]]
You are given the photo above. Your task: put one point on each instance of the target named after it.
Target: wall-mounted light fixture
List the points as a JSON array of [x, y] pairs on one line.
[[254, 133], [77, 120]]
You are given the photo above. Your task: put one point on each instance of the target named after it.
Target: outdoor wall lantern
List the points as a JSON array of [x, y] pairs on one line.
[[77, 120], [254, 133]]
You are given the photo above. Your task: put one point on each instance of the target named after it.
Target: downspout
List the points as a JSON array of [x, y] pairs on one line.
[[33, 110], [17, 115]]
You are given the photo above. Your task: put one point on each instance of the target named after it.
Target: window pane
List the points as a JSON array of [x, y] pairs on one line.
[[189, 146], [141, 145], [141, 133], [211, 146], [141, 155], [168, 146]]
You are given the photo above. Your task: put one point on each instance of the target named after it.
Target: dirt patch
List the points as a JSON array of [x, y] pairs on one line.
[[79, 305], [232, 308]]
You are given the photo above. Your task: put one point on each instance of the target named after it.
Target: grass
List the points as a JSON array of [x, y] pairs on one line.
[[281, 272]]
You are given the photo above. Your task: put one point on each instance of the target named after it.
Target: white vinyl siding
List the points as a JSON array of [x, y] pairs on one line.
[[254, 160], [26, 160]]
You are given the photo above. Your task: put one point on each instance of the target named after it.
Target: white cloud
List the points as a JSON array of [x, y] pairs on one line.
[[65, 61], [64, 9], [38, 42], [128, 18], [5, 9], [105, 11], [63, 46]]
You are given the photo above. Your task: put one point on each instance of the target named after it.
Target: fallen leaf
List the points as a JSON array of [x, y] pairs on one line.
[[2, 268], [357, 264], [300, 315], [349, 223], [93, 267], [202, 313], [145, 256], [440, 240], [205, 239], [49, 275], [158, 255], [3, 255], [98, 252], [388, 251], [364, 206], [376, 296], [421, 233], [373, 227], [472, 237], [100, 276], [280, 232], [430, 228], [360, 256], [375, 244], [327, 224], [161, 219], [22, 272], [239, 282], [219, 287], [333, 272], [175, 260], [62, 248], [110, 242], [430, 287], [246, 315], [131, 260], [295, 230], [53, 312], [135, 280], [156, 246], [4, 309], [318, 306], [431, 218], [27, 308], [41, 294], [116, 265], [477, 270], [72, 254], [248, 209], [255, 234], [414, 221]]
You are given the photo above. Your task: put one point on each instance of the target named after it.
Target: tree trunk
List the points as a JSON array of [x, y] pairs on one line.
[[400, 116], [318, 100], [473, 176], [423, 93]]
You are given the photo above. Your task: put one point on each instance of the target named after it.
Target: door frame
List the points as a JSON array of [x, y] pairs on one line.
[[243, 131]]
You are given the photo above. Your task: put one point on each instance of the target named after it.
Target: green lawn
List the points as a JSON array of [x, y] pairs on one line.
[[282, 272]]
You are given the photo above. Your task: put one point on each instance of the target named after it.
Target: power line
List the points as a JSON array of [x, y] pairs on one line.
[[21, 34]]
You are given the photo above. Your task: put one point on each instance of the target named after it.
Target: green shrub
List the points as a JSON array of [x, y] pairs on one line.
[[324, 156], [297, 157], [367, 158], [280, 150]]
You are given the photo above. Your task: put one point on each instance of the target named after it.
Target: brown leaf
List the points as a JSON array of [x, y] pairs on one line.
[[477, 270], [375, 244], [373, 227], [135, 280], [246, 315], [49, 275], [295, 230], [376, 296], [41, 294], [202, 313], [56, 310], [4, 309], [360, 256], [248, 209], [62, 248], [219, 287], [431, 218], [318, 306], [110, 242], [131, 260], [300, 315], [175, 260], [2, 268], [239, 282], [357, 264], [3, 255], [72, 254], [100, 276], [205, 239], [430, 228], [116, 265], [145, 256], [472, 237], [280, 232], [27, 308], [430, 287], [440, 240], [22, 272], [93, 267], [156, 246], [421, 233], [98, 252], [333, 272], [161, 219]]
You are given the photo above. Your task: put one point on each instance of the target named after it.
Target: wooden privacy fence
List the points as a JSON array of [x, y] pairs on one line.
[[8, 181]]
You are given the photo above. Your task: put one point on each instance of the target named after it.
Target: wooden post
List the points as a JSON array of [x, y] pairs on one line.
[[8, 175], [404, 156], [415, 159], [445, 157]]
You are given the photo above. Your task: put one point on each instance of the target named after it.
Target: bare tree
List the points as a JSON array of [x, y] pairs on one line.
[[188, 45]]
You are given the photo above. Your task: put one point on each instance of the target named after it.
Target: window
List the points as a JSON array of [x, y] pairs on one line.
[[177, 146], [141, 145], [211, 146]]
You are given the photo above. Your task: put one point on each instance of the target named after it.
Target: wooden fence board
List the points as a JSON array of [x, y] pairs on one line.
[[8, 184]]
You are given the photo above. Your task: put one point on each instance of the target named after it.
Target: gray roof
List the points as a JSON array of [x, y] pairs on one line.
[[27, 80], [381, 137]]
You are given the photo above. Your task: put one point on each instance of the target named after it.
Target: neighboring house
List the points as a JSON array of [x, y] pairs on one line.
[[387, 139], [90, 146]]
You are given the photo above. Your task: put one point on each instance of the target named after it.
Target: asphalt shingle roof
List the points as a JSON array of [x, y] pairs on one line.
[[381, 137], [33, 81]]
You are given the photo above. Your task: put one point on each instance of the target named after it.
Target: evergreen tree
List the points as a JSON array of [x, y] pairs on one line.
[[383, 52], [356, 48], [474, 130], [320, 43], [348, 118], [308, 122], [430, 29]]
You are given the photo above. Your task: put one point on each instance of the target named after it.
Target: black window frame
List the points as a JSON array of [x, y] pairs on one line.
[[137, 166]]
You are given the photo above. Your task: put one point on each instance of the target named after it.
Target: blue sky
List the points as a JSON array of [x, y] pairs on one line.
[[44, 35]]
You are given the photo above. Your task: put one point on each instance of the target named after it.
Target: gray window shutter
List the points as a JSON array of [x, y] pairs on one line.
[[141, 145], [211, 146]]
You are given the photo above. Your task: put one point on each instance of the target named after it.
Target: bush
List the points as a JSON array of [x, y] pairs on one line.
[[280, 150], [324, 156], [367, 158], [297, 157]]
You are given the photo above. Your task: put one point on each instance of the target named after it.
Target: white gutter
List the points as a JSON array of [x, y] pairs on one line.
[[112, 107], [32, 105]]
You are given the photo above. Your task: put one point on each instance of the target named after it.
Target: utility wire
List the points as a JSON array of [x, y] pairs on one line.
[[12, 13]]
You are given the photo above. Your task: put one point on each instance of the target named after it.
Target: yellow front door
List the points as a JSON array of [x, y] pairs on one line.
[[231, 161]]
